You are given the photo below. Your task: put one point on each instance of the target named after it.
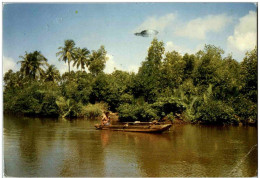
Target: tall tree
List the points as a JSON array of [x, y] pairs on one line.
[[147, 80], [172, 70], [249, 75], [52, 74], [207, 63], [33, 64], [67, 53], [97, 61], [82, 58]]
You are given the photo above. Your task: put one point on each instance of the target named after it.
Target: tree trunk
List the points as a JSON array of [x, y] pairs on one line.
[[69, 66]]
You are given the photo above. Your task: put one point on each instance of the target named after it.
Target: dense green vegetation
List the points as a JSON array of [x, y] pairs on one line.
[[201, 88]]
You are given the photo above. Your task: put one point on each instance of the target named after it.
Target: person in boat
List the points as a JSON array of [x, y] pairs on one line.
[[155, 122], [105, 119]]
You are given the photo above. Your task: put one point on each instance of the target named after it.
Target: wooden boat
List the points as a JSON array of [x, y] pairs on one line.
[[136, 127]]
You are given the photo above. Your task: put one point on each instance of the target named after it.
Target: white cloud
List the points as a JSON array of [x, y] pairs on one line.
[[8, 63], [245, 33], [63, 67], [170, 46], [157, 23], [133, 68], [111, 65], [197, 28]]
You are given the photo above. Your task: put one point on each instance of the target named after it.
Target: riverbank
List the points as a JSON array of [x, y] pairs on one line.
[[114, 119]]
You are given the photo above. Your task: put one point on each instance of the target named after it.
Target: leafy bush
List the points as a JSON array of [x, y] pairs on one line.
[[215, 112], [245, 109], [126, 98], [134, 112], [69, 108], [49, 106], [171, 116], [64, 106], [94, 111], [34, 99], [166, 105]]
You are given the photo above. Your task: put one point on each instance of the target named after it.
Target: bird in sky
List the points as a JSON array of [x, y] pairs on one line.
[[147, 33]]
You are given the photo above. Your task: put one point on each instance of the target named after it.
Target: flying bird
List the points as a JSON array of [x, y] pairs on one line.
[[147, 33]]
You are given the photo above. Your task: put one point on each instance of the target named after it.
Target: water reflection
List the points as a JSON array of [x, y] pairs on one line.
[[45, 147]]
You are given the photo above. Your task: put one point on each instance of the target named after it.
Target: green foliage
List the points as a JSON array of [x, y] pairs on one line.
[[147, 80], [215, 112], [136, 112], [155, 53], [34, 99], [82, 58], [32, 64], [69, 108], [77, 86], [172, 70], [110, 87], [208, 62], [97, 61], [64, 106], [227, 79], [126, 98], [84, 86], [166, 105], [202, 88], [67, 53], [210, 111], [245, 109], [189, 65], [249, 75], [13, 80], [94, 111], [170, 116], [52, 74]]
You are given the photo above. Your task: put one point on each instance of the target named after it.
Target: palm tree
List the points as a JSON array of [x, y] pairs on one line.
[[52, 73], [25, 64], [82, 58], [67, 53], [32, 64]]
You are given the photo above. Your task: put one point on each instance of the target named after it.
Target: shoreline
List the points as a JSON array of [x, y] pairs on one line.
[[115, 119]]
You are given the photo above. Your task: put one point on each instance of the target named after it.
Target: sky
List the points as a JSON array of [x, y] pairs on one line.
[[183, 27]]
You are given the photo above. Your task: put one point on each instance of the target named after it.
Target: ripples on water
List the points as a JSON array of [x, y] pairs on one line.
[[45, 147]]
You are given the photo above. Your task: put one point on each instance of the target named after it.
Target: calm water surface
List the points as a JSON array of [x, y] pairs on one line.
[[47, 147]]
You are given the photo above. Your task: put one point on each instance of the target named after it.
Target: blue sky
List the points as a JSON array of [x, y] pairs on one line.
[[184, 27]]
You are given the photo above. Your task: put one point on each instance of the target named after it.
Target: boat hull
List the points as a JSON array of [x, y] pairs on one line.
[[136, 128]]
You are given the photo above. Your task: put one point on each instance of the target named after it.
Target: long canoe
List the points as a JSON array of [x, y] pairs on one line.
[[135, 128]]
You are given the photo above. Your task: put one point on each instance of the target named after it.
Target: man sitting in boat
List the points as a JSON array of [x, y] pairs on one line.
[[105, 119]]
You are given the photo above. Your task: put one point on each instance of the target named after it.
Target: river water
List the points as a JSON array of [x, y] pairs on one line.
[[48, 147]]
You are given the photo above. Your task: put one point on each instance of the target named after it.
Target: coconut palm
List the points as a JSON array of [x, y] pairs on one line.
[[67, 53], [25, 64], [52, 74], [33, 64], [82, 58]]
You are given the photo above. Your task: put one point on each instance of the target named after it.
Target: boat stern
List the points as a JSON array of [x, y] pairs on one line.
[[166, 127]]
